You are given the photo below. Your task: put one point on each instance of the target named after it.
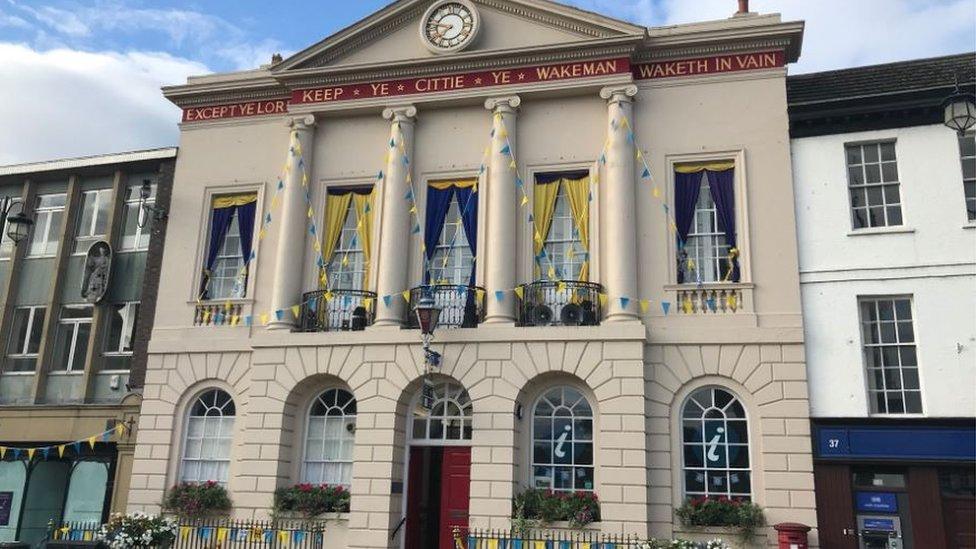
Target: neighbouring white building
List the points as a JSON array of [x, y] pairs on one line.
[[886, 219]]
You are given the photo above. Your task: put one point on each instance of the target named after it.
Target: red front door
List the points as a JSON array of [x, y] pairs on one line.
[[455, 487]]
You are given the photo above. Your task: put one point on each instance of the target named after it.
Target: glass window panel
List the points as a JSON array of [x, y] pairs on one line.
[[714, 442], [913, 402], [694, 482], [887, 151], [208, 438], [562, 435]]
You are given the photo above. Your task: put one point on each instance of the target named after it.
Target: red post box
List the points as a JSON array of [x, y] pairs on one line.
[[792, 535]]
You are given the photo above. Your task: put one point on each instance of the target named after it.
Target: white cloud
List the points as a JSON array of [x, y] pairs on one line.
[[206, 36], [838, 33], [61, 103]]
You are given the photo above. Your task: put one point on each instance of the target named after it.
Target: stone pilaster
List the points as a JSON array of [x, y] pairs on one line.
[[619, 273], [391, 263], [287, 284], [502, 197]]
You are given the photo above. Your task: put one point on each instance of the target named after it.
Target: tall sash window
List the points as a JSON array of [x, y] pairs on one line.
[[561, 213], [346, 244], [450, 239], [704, 212], [229, 246], [208, 437]]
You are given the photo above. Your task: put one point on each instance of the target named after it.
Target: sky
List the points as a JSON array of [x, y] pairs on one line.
[[80, 78]]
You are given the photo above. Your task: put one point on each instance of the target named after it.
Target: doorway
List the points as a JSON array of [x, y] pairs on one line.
[[437, 495], [439, 466]]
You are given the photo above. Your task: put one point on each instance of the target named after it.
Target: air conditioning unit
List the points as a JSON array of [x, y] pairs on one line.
[[571, 315], [540, 315]]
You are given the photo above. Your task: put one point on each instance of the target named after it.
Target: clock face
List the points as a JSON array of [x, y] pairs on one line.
[[449, 26]]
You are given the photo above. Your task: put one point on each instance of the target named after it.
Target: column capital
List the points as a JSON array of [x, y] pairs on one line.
[[619, 94], [400, 113], [505, 104], [301, 122]]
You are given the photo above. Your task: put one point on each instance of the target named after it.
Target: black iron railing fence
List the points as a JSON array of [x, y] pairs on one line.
[[337, 310], [461, 306], [554, 539], [560, 303], [217, 533]]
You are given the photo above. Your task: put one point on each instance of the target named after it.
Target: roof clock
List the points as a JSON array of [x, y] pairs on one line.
[[449, 26]]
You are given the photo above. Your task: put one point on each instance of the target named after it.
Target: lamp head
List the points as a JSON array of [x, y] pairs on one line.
[[18, 226]]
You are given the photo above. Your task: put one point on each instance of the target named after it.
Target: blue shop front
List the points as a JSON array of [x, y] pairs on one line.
[[895, 483]]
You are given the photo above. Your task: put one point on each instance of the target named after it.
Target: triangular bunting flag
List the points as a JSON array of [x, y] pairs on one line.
[[656, 192], [91, 442], [295, 309], [646, 173], [61, 449], [406, 295], [644, 305], [499, 295], [666, 307], [386, 300], [184, 532], [519, 291], [624, 301], [711, 303], [525, 200], [279, 314], [76, 446], [603, 299], [264, 318], [512, 165], [506, 150]]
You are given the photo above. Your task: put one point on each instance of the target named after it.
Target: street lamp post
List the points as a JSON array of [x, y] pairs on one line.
[[20, 224], [428, 313]]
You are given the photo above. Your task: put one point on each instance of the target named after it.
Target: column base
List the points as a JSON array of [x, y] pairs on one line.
[[622, 317], [500, 321], [386, 324], [279, 325]]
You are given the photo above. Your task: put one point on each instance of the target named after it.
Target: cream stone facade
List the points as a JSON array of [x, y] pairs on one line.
[[584, 104]]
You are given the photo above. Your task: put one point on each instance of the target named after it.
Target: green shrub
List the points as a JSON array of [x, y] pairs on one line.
[[743, 515], [311, 500], [194, 500], [579, 508]]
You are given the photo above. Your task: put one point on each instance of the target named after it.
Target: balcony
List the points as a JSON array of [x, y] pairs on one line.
[[711, 298], [337, 310], [560, 303], [461, 306]]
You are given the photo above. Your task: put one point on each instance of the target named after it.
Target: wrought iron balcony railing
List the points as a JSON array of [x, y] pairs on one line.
[[560, 303], [461, 306], [337, 310]]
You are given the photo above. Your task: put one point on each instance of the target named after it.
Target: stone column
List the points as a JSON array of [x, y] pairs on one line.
[[392, 263], [289, 255], [619, 217], [502, 201]]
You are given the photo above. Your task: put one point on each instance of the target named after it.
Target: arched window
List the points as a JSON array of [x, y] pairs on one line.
[[329, 439], [449, 416], [207, 438], [715, 436], [562, 441]]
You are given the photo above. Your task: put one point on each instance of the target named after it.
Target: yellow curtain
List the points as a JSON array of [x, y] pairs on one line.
[[229, 201], [578, 191], [695, 167], [336, 209], [364, 228], [543, 205], [441, 185]]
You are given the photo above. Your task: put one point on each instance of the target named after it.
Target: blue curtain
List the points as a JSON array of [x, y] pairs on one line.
[[722, 186], [468, 202], [438, 202], [245, 228], [219, 223], [687, 187], [549, 177]]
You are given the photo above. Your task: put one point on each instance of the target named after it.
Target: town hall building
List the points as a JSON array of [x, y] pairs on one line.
[[602, 215]]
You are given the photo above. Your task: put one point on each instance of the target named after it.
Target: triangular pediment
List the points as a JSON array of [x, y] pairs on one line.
[[392, 34]]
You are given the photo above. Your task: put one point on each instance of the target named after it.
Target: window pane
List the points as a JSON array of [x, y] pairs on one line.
[[715, 447], [890, 360], [36, 330]]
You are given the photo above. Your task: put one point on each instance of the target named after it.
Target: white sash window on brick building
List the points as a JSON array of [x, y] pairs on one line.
[[715, 440], [208, 437], [330, 438]]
